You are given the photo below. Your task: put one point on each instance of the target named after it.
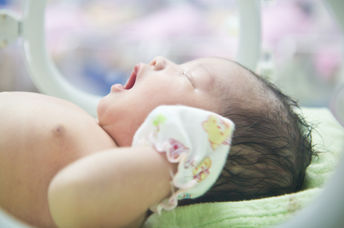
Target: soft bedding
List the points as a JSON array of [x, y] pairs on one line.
[[328, 139]]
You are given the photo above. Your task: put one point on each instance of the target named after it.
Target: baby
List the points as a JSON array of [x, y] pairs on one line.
[[59, 166]]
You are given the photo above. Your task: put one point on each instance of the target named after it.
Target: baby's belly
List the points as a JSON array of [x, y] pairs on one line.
[[40, 135]]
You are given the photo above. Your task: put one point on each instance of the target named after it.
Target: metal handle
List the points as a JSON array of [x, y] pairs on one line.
[[43, 71], [250, 33]]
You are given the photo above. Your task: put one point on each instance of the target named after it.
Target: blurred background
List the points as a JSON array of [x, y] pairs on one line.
[[96, 43]]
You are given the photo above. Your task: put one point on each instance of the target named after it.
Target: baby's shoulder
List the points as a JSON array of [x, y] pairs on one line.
[[40, 118]]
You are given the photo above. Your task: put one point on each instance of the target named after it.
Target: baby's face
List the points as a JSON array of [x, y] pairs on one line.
[[199, 83]]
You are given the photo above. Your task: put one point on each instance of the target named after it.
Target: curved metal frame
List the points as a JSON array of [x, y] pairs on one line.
[[250, 33], [43, 71], [49, 80]]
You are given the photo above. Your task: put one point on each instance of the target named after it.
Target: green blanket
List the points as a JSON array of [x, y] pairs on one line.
[[328, 138]]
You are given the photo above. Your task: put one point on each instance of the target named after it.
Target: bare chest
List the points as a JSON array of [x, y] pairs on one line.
[[38, 137]]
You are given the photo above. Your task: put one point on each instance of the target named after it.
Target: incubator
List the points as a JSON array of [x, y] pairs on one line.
[[326, 211]]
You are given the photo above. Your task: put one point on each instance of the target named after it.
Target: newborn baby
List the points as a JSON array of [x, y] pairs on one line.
[[59, 166]]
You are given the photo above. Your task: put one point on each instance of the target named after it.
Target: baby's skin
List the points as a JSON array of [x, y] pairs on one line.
[[39, 135], [59, 166]]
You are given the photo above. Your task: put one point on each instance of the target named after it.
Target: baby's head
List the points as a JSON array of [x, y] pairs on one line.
[[271, 147], [270, 150], [203, 83]]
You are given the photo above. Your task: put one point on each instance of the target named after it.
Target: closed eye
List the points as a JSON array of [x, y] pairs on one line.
[[189, 77]]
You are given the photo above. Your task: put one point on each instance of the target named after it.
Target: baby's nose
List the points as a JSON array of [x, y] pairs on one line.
[[159, 63]]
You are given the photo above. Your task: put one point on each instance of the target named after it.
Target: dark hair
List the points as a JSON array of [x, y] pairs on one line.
[[271, 149]]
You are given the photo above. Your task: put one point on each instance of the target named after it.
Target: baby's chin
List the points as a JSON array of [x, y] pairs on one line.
[[102, 108], [101, 114]]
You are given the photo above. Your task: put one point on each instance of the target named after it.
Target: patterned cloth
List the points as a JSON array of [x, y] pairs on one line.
[[198, 140]]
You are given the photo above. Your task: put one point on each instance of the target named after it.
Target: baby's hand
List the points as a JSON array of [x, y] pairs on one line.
[[197, 139]]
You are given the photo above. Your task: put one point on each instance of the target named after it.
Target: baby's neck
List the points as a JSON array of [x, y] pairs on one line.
[[122, 138]]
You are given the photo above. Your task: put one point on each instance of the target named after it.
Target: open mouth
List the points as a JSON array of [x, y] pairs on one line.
[[132, 79]]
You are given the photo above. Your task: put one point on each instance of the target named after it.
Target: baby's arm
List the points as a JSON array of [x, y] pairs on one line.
[[113, 188]]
